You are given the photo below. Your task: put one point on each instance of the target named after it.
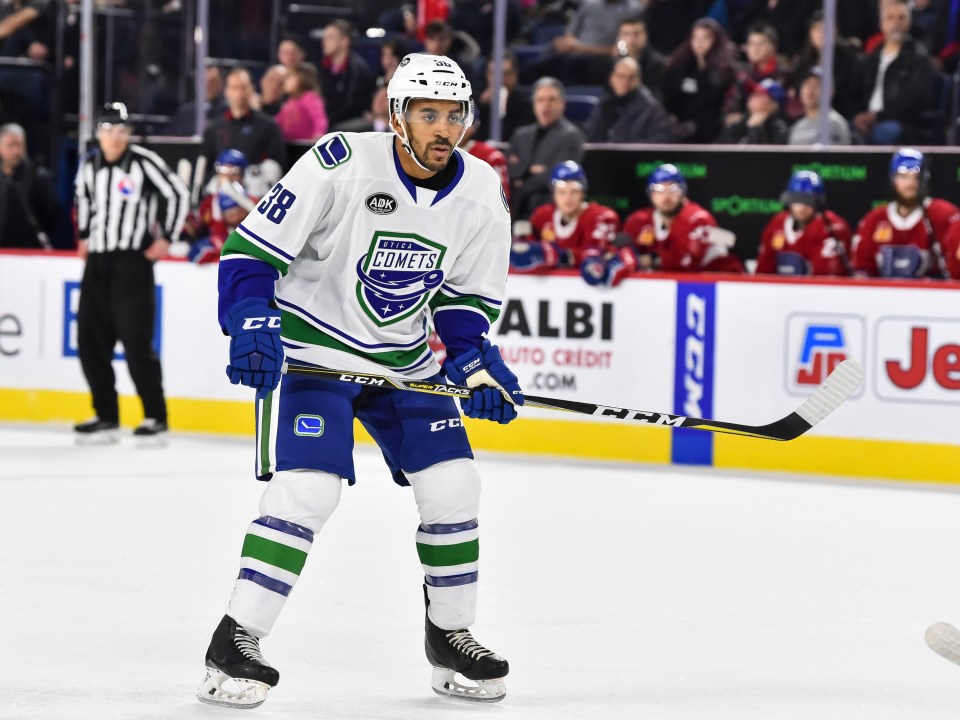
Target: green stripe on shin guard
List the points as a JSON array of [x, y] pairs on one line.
[[274, 553], [443, 555]]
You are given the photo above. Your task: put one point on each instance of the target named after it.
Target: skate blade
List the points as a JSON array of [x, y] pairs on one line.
[[105, 437], [150, 441], [221, 690], [944, 640], [445, 684]]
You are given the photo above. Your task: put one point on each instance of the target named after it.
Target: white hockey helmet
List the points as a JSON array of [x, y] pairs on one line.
[[428, 77]]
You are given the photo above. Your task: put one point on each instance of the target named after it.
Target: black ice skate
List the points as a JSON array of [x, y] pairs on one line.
[[97, 432], [237, 674], [455, 651], [151, 433]]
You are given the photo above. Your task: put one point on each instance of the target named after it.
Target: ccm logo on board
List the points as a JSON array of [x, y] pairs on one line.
[[919, 360]]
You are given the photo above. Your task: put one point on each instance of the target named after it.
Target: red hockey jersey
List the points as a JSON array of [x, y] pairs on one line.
[[885, 226], [686, 245], [492, 157], [824, 243], [593, 230]]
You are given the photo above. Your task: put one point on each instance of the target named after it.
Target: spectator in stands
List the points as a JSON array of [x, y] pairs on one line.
[[439, 39], [29, 213], [346, 82], [629, 113], [183, 123], [805, 238], [567, 231], [376, 119], [787, 17], [846, 63], [633, 41], [250, 131], [675, 234], [392, 52], [763, 124], [805, 130], [581, 54], [475, 18], [488, 153], [696, 79], [272, 93], [291, 51], [669, 21], [902, 239], [536, 148], [762, 63], [26, 29], [896, 84], [513, 106], [302, 116]]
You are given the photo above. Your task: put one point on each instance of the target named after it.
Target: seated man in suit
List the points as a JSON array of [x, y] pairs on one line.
[[536, 148]]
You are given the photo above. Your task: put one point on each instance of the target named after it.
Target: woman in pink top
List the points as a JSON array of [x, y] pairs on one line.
[[302, 116]]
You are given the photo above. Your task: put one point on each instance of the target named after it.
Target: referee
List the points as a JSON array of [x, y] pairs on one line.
[[129, 206]]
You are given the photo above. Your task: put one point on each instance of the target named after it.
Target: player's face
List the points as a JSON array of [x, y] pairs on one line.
[[568, 197], [667, 199], [802, 213], [434, 127], [907, 186]]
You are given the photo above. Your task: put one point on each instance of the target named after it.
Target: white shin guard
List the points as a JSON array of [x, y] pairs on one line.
[[295, 506], [448, 498]]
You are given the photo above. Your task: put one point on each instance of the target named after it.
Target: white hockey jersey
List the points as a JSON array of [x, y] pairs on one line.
[[363, 255]]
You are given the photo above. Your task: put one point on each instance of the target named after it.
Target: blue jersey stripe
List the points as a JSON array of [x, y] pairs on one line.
[[281, 588], [366, 346], [265, 243], [451, 580], [447, 528], [285, 527]]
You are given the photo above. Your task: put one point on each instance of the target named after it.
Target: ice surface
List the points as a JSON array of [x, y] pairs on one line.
[[615, 592]]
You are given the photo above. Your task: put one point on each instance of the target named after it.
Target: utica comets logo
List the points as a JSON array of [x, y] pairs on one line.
[[397, 276]]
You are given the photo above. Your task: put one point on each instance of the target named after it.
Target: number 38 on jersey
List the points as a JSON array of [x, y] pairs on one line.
[[276, 204]]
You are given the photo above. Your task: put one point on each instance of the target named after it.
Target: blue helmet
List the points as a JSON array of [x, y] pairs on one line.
[[568, 172], [667, 174], [806, 187], [912, 162], [231, 157]]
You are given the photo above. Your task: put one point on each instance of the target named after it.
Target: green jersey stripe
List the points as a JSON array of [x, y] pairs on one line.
[[274, 553], [237, 244], [267, 411], [295, 328], [442, 555], [466, 301]]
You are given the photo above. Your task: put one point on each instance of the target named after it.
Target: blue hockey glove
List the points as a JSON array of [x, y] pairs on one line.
[[256, 354], [901, 261], [497, 390], [608, 269]]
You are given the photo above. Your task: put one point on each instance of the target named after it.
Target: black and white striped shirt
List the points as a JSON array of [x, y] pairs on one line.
[[121, 205]]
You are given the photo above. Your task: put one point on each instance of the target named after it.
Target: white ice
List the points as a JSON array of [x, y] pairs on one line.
[[614, 591]]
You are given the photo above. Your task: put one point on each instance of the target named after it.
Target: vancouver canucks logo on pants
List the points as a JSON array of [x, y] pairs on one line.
[[397, 275]]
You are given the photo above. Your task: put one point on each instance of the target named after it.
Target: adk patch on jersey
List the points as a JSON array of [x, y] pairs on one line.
[[397, 275], [381, 203]]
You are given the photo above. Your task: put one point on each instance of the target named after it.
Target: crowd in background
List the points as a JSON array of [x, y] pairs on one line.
[[594, 71]]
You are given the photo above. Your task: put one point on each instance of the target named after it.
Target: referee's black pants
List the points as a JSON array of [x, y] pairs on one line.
[[117, 302]]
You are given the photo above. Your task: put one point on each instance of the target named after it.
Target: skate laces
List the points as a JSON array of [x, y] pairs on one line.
[[248, 645], [463, 641]]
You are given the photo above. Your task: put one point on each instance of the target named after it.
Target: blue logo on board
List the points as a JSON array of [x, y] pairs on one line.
[[71, 306]]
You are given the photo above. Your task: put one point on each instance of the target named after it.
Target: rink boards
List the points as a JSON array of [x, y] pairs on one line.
[[737, 349]]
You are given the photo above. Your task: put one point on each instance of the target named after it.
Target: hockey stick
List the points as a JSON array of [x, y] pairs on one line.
[[944, 640], [835, 389]]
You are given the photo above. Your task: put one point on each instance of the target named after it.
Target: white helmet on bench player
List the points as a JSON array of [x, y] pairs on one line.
[[428, 77]]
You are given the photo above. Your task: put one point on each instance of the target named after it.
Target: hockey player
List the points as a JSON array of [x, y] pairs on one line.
[[806, 238], [562, 232], [220, 211], [337, 267], [676, 234], [902, 239]]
